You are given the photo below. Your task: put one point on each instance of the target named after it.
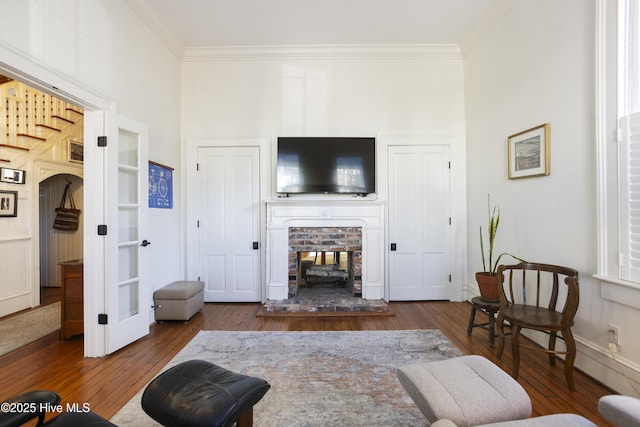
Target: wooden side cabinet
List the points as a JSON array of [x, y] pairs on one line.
[[72, 310]]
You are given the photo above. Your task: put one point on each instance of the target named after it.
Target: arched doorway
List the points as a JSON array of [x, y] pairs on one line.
[[57, 246]]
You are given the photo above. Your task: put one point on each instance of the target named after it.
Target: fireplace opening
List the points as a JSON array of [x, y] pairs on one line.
[[325, 257], [321, 269]]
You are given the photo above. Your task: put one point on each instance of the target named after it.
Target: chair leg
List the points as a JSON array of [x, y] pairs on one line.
[[571, 357], [472, 319], [500, 347], [492, 336], [246, 419], [515, 350], [552, 347]]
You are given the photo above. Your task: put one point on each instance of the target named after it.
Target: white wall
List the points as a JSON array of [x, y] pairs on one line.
[[537, 66], [290, 95], [94, 51], [394, 96]]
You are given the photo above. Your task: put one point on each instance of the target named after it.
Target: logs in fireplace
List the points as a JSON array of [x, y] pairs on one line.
[[325, 274]]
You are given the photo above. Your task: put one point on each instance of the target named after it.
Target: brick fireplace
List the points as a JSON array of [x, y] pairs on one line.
[[354, 226], [326, 239]]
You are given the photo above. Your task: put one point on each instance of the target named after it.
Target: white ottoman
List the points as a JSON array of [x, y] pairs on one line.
[[179, 300], [468, 390]]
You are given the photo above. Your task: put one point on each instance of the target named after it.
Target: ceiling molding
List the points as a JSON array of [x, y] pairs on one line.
[[153, 21], [485, 25], [235, 53], [381, 51]]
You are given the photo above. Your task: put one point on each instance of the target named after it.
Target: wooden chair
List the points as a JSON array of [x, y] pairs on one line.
[[541, 282]]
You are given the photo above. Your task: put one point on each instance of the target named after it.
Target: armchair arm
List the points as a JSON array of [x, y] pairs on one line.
[[622, 411]]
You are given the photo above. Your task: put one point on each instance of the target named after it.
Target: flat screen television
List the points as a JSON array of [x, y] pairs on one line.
[[326, 165]]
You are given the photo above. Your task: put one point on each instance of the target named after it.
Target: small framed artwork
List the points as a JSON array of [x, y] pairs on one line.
[[12, 176], [160, 186], [529, 152], [8, 203], [75, 151]]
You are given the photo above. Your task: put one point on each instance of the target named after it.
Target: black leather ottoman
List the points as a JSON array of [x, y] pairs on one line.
[[76, 419], [26, 406], [198, 393]]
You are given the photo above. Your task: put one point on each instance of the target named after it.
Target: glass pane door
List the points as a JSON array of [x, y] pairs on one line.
[[127, 271], [129, 230]]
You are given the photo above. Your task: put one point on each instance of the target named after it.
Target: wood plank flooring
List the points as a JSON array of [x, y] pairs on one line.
[[107, 383]]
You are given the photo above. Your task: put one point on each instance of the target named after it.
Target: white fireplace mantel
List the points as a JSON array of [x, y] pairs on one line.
[[285, 213]]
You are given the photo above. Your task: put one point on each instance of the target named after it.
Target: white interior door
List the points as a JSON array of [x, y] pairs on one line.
[[229, 223], [419, 223], [126, 256]]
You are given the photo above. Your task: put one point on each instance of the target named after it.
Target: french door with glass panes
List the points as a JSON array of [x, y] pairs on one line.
[[126, 252]]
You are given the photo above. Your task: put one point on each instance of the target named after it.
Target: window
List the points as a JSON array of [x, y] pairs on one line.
[[629, 138], [618, 143]]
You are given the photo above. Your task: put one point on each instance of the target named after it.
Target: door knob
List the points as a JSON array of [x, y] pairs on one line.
[[145, 243]]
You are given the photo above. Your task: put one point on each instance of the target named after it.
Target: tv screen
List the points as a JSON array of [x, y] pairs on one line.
[[333, 165]]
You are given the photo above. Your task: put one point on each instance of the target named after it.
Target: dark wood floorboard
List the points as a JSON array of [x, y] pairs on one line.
[[107, 383]]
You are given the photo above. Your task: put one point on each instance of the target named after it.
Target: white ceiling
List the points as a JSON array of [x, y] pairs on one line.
[[211, 23]]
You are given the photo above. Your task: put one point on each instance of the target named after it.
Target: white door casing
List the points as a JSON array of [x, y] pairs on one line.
[[419, 222]]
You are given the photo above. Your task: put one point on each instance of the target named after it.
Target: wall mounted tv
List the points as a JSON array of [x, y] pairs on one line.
[[331, 165]]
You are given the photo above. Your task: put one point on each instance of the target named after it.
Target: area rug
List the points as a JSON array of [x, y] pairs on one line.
[[29, 326], [342, 378]]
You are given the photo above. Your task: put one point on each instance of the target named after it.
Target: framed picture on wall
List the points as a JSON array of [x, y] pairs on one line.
[[160, 186], [529, 152], [75, 152], [12, 176], [8, 203]]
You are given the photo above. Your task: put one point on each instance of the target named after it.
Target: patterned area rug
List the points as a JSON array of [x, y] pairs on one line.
[[29, 326], [317, 378]]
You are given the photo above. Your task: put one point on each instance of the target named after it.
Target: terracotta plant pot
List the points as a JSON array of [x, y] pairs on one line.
[[488, 285]]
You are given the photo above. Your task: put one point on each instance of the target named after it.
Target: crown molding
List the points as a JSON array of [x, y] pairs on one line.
[[498, 9], [235, 53], [153, 21], [408, 51]]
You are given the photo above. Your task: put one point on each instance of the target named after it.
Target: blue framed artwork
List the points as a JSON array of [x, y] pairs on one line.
[[160, 186]]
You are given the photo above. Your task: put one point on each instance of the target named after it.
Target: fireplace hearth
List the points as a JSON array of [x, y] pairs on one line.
[[327, 301]]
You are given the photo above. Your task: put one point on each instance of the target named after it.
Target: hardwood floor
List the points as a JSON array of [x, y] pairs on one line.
[[106, 384], [49, 295]]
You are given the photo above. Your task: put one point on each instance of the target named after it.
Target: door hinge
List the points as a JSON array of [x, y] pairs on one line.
[[198, 278], [449, 220], [102, 230], [102, 141], [449, 278], [449, 165], [103, 319], [197, 167], [198, 224]]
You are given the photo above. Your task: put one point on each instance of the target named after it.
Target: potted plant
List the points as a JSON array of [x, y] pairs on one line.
[[488, 279]]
